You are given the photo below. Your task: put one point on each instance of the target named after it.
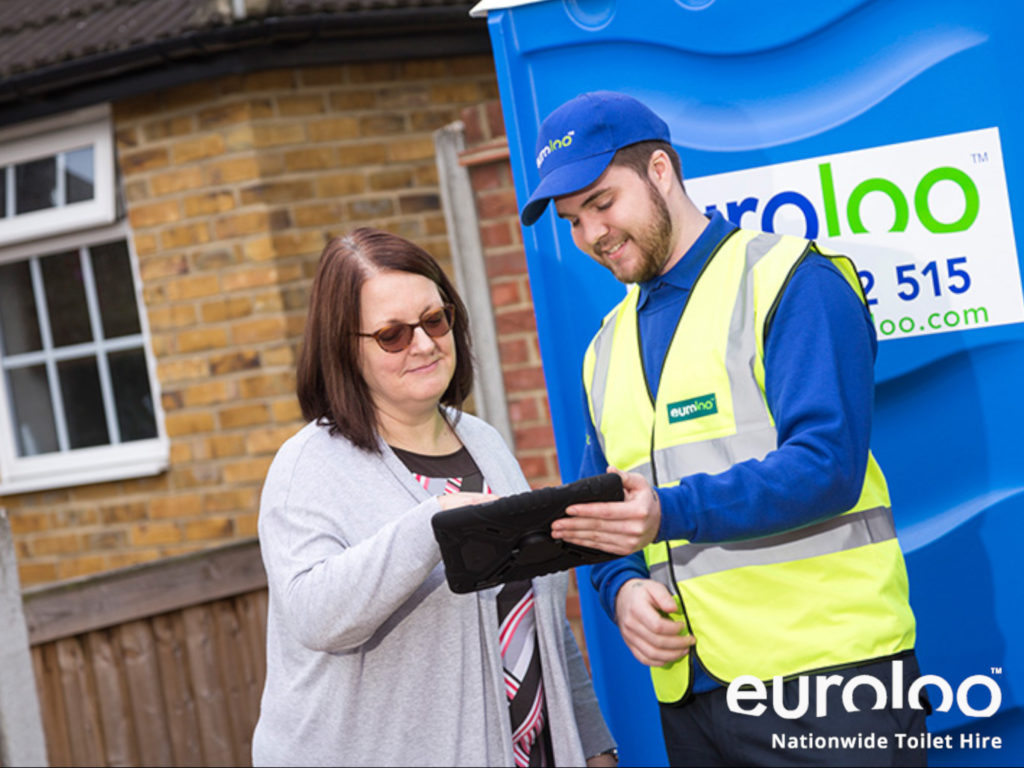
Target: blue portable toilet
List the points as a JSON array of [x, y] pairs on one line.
[[893, 132]]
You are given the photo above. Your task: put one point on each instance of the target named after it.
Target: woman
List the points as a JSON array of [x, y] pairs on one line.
[[371, 659]]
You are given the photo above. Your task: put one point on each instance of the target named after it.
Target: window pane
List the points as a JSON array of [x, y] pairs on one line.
[[35, 185], [83, 402], [79, 175], [133, 395], [3, 192], [19, 321], [32, 410], [65, 298], [115, 289]]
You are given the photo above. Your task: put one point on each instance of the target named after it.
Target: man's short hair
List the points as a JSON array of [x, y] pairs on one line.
[[638, 157]]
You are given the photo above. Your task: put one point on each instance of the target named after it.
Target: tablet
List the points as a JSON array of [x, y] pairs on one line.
[[507, 539]]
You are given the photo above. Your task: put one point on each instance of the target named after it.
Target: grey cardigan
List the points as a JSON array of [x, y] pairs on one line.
[[371, 658]]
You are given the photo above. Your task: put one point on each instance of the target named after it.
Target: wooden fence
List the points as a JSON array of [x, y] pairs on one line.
[[159, 664]]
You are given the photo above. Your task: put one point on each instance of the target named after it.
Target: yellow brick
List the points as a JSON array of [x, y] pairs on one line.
[[135, 557], [259, 249], [174, 316], [317, 215], [243, 416], [246, 525], [209, 528], [225, 309], [325, 75], [340, 184], [222, 446], [234, 361], [136, 191], [247, 470], [264, 135], [277, 192], [143, 160], [126, 512], [145, 244], [210, 392], [267, 385], [184, 235], [188, 150], [228, 501], [348, 100], [81, 566], [211, 202], [260, 329], [202, 338], [168, 127], [281, 356], [470, 93], [181, 370], [149, 534], [362, 154], [193, 287], [261, 441], [412, 149], [155, 267], [59, 544], [155, 213], [261, 276], [234, 112], [180, 453], [298, 243], [233, 170], [177, 180], [291, 106], [31, 574], [374, 72], [180, 506], [106, 539], [188, 423], [426, 68], [204, 474], [240, 224], [32, 521], [239, 138], [269, 79], [333, 128]]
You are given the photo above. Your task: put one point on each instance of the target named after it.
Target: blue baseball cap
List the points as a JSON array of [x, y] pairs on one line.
[[578, 140]]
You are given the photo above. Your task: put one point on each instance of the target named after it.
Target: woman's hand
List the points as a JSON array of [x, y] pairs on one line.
[[455, 500], [605, 760]]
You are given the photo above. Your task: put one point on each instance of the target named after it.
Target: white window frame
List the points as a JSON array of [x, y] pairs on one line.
[[80, 466], [47, 138]]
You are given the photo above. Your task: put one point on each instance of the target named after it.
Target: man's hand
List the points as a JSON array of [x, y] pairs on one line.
[[641, 611], [619, 527]]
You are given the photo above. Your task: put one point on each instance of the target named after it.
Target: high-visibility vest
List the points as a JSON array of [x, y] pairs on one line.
[[824, 596]]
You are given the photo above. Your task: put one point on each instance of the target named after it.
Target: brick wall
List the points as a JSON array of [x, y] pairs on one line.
[[232, 187]]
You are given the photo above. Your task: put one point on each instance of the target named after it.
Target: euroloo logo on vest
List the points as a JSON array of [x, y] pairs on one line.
[[694, 408], [927, 224]]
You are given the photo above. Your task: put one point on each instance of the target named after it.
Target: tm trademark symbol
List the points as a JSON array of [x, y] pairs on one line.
[[996, 670], [979, 157]]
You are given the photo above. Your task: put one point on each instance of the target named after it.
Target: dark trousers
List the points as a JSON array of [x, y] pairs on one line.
[[704, 732]]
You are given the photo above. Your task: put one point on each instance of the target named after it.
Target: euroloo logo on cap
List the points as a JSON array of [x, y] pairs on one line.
[[552, 145]]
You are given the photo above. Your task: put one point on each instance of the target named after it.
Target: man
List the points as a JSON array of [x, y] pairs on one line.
[[732, 389]]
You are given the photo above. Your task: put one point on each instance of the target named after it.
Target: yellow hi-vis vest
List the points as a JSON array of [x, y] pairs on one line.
[[827, 595]]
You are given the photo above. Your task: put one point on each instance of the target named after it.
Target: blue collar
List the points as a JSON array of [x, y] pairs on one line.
[[686, 270]]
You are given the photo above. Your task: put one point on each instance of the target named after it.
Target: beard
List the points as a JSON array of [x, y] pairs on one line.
[[653, 242]]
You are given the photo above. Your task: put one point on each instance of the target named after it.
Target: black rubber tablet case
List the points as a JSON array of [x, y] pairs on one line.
[[510, 538]]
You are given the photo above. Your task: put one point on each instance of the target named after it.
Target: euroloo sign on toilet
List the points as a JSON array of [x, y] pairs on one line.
[[892, 132]]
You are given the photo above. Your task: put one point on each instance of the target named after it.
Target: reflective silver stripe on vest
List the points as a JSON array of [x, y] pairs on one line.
[[602, 363], [756, 435], [836, 534]]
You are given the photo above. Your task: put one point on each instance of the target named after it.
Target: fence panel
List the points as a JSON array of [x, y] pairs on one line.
[[159, 664]]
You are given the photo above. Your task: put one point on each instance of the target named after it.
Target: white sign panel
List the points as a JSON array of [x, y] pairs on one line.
[[927, 223]]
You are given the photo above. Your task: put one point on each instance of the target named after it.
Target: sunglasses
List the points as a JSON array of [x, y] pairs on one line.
[[396, 337]]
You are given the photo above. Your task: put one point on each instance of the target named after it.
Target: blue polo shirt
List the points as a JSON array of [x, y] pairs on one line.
[[819, 384]]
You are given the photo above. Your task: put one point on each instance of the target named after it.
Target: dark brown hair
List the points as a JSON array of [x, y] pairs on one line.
[[330, 386], [638, 157]]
